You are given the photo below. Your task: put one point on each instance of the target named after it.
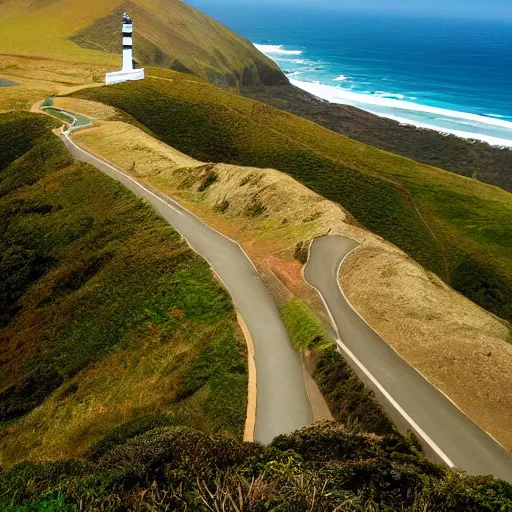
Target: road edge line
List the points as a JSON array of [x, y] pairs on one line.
[[366, 372], [338, 280], [250, 425], [119, 170], [171, 200]]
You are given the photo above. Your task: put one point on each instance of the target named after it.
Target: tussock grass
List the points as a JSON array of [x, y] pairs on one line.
[[104, 309], [454, 226]]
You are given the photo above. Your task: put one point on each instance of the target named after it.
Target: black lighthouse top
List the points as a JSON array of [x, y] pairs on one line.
[[126, 19]]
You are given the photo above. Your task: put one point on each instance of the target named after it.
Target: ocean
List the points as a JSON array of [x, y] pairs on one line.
[[453, 76]]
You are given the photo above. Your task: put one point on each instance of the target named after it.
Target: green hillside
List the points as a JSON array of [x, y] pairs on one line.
[[168, 33], [455, 226], [105, 313], [474, 159], [155, 463]]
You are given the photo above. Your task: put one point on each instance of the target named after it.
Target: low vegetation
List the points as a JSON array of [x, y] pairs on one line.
[[430, 325], [40, 78], [456, 227], [350, 402], [152, 464], [468, 158], [145, 372], [306, 331], [106, 313]]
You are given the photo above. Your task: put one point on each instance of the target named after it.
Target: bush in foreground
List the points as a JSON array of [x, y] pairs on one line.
[[323, 467]]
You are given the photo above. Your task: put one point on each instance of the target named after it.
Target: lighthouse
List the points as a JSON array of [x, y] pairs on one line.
[[127, 72]]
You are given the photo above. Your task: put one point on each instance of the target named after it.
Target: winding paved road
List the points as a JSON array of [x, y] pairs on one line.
[[412, 402], [282, 404]]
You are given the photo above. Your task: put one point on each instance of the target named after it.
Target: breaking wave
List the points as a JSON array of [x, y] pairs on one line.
[[270, 49], [315, 77], [490, 129]]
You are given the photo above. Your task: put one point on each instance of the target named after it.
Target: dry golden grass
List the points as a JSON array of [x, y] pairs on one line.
[[40, 78], [45, 32], [168, 33], [461, 348], [291, 209], [151, 157], [87, 108], [17, 98]]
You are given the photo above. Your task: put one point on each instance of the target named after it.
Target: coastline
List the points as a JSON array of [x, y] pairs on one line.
[[491, 129]]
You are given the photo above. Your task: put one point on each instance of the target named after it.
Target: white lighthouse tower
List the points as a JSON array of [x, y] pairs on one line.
[[127, 72]]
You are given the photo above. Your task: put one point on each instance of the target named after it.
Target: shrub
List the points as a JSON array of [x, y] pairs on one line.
[[209, 179], [222, 206], [301, 252], [127, 431], [349, 401], [321, 468], [167, 451], [327, 442], [255, 209]]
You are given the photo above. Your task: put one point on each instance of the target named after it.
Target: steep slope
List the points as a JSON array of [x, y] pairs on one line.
[[153, 466], [452, 225], [172, 34], [474, 159], [105, 312], [168, 33], [269, 214]]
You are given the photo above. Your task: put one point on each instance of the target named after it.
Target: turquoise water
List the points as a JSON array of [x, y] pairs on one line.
[[454, 76]]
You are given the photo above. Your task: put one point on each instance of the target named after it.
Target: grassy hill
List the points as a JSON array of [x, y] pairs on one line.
[[457, 227], [168, 33], [122, 370], [105, 313], [474, 159]]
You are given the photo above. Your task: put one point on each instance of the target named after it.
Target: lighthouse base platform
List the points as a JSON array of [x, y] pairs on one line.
[[124, 76]]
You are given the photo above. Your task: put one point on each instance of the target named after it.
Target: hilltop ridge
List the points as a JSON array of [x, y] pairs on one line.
[[168, 34]]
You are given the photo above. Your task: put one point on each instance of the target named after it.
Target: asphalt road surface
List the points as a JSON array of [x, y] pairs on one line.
[[282, 404], [413, 403]]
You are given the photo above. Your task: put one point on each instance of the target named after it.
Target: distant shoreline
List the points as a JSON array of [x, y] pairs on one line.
[[491, 129]]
